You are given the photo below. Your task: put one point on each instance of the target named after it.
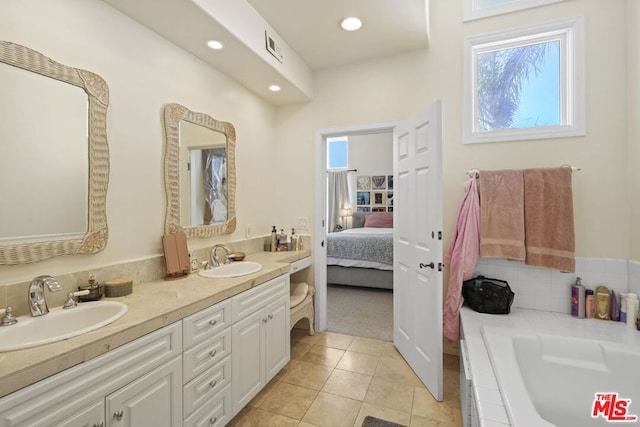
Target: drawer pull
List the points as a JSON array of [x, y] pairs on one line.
[[270, 316], [100, 424], [213, 420], [264, 320], [213, 353], [213, 383], [212, 322], [118, 415]]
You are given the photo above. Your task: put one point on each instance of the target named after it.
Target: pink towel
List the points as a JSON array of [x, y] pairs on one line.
[[549, 226], [462, 257], [502, 214]]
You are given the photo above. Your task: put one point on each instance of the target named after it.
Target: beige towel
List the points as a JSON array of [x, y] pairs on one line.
[[549, 229], [502, 214]]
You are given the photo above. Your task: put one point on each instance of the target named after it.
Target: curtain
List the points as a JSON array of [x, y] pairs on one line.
[[338, 194]]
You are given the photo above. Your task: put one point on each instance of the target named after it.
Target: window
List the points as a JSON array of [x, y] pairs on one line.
[[525, 84], [476, 9], [338, 153]]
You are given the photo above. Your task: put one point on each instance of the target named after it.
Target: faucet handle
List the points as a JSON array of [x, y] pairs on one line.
[[71, 300], [9, 318]]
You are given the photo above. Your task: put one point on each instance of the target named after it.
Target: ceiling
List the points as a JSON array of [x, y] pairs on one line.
[[309, 27]]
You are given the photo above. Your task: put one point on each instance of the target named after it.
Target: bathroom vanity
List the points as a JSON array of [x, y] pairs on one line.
[[192, 352]]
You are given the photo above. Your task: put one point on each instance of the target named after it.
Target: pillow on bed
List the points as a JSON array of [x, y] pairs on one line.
[[379, 220]]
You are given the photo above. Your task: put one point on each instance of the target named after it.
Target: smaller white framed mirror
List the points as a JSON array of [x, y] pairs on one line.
[[199, 173]]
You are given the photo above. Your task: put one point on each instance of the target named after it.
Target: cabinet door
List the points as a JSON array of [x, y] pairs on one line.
[[153, 400], [247, 369], [277, 337]]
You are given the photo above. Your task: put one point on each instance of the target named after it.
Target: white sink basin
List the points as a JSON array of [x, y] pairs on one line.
[[59, 324], [235, 269]]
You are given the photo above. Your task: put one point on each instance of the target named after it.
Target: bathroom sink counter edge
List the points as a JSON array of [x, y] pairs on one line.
[[151, 306]]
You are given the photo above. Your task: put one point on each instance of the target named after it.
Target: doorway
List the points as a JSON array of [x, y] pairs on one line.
[[321, 191]]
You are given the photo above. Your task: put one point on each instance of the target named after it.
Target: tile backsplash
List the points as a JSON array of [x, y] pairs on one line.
[[549, 290]]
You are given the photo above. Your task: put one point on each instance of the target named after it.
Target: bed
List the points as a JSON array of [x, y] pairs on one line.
[[363, 254]]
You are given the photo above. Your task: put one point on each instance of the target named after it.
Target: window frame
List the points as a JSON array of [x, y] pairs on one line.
[[572, 80], [471, 11]]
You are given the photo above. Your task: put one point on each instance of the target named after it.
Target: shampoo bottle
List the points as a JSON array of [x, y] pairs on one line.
[[589, 304], [615, 308], [577, 299], [603, 303]]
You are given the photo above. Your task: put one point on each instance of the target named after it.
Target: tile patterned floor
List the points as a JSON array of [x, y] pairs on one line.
[[336, 380]]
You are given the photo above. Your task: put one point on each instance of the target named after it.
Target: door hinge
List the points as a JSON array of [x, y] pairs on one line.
[[440, 266], [323, 223], [322, 243], [439, 235]]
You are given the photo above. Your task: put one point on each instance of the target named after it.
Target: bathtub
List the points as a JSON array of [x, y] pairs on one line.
[[552, 380]]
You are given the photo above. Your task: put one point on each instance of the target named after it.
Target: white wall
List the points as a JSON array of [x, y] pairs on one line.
[[392, 88], [371, 154], [144, 72], [633, 22]]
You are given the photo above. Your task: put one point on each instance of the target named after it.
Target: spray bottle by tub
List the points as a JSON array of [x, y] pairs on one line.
[[577, 299]]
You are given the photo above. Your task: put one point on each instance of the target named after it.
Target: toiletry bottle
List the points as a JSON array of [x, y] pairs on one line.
[[589, 304], [294, 240], [282, 241], [274, 242], [614, 312], [623, 308], [603, 303], [632, 309], [577, 299]]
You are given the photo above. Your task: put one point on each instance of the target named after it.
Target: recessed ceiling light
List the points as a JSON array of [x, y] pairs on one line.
[[351, 23], [274, 88], [215, 44]]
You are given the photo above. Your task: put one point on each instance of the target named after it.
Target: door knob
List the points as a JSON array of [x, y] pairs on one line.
[[430, 265]]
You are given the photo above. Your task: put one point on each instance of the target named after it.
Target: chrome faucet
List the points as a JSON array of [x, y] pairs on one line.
[[213, 261], [37, 301]]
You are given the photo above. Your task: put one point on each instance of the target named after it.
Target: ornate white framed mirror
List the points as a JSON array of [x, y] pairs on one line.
[[199, 173], [54, 158]]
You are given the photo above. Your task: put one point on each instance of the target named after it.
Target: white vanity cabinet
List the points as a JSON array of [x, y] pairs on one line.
[[138, 384], [260, 338], [207, 366]]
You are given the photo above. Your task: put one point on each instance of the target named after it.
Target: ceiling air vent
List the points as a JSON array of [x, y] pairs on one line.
[[272, 47]]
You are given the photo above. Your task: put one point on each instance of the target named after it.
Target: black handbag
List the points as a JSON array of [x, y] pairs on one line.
[[486, 295]]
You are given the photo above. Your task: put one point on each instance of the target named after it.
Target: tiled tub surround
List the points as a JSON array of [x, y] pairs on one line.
[[152, 305], [549, 290], [490, 399]]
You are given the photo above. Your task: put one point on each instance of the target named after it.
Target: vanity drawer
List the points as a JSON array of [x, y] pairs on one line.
[[215, 413], [205, 386], [300, 264], [206, 323], [254, 299], [206, 354]]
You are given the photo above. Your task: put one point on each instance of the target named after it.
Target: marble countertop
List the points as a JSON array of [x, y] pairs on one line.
[[152, 306], [490, 405]]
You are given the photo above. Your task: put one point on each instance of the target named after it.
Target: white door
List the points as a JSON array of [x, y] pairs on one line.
[[417, 276]]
